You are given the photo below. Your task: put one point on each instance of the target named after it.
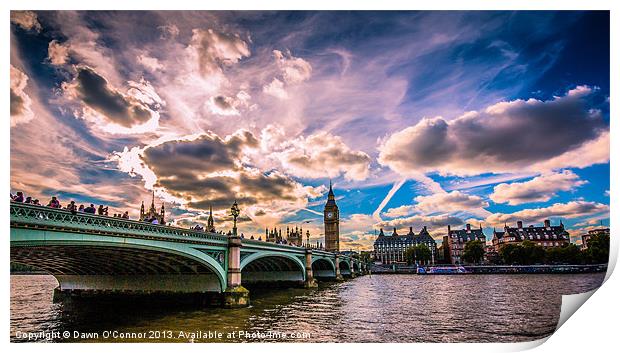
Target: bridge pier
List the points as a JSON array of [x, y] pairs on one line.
[[235, 295], [310, 281], [338, 274], [353, 274]]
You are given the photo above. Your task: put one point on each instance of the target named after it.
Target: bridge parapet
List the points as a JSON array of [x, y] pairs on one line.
[[32, 216]]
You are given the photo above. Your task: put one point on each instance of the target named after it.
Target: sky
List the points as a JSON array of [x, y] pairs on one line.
[[418, 118]]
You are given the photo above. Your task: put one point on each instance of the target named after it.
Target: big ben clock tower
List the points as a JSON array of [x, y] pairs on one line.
[[331, 218]]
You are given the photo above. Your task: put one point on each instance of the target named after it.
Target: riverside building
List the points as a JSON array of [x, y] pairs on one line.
[[457, 238], [547, 236], [391, 249]]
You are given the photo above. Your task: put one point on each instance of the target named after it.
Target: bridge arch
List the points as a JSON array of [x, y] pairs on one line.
[[271, 266], [323, 268], [356, 267], [345, 267], [111, 265]]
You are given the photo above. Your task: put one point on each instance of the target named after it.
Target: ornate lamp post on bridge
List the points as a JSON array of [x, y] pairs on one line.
[[234, 211], [235, 295]]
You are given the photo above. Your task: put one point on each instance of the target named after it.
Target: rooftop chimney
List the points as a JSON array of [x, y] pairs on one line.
[[519, 224], [547, 223]]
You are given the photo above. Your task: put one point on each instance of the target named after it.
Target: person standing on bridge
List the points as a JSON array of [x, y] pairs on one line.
[[54, 203], [72, 207], [19, 197], [90, 209]]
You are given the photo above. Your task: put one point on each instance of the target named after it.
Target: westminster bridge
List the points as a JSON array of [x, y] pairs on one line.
[[91, 254]]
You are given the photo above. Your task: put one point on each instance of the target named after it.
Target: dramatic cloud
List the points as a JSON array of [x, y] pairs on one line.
[[150, 63], [400, 211], [449, 201], [217, 49], [454, 202], [21, 111], [58, 54], [539, 189], [318, 156], [207, 170], [26, 20], [291, 70], [223, 105], [573, 209], [276, 89], [294, 70], [169, 31], [418, 221], [505, 137], [137, 107]]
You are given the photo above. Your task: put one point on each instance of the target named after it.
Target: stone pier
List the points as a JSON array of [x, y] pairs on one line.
[[338, 274], [235, 295], [310, 281]]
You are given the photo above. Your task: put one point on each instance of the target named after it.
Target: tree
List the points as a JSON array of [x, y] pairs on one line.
[[532, 253], [568, 254], [510, 253], [473, 252], [598, 249], [417, 254]]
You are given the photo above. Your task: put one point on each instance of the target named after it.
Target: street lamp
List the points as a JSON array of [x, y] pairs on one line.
[[234, 211]]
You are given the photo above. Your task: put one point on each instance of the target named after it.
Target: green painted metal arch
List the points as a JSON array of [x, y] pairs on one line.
[[263, 254], [346, 262], [61, 238], [330, 261]]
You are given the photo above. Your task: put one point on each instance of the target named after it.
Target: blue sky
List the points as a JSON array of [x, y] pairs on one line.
[[419, 118]]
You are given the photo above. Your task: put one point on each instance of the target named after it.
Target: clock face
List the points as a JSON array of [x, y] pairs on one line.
[[330, 214]]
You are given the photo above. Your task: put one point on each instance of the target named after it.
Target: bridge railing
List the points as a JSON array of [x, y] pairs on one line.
[[32, 216]]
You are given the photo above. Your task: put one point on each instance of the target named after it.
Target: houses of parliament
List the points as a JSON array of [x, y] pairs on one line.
[[295, 236], [331, 223]]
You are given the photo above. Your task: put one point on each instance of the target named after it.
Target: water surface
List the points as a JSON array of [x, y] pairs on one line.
[[377, 308]]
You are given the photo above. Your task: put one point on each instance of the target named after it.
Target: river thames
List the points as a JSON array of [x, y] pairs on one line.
[[377, 308]]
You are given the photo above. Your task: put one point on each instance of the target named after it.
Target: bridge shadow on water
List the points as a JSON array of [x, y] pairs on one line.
[[175, 313]]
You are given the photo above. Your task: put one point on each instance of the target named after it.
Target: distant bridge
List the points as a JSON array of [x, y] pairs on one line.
[[91, 254]]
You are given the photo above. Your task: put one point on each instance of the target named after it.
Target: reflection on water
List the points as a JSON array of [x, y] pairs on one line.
[[378, 308]]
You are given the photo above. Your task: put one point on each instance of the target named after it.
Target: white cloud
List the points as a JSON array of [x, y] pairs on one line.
[[149, 62], [215, 49], [322, 155], [276, 89], [419, 221], [21, 110], [455, 201], [572, 209], [506, 137], [26, 20], [540, 189], [203, 170], [400, 211], [224, 105], [58, 54], [294, 70]]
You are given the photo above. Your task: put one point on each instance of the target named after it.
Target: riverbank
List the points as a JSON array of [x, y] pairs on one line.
[[464, 270]]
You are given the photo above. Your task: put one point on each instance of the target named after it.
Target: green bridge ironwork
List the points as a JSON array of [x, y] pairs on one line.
[[89, 253]]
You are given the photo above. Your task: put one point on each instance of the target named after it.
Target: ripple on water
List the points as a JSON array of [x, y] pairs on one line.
[[378, 308]]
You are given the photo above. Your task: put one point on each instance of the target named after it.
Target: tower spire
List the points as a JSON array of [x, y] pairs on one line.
[[210, 223]]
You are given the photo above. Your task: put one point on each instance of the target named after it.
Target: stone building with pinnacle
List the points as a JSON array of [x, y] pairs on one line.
[[152, 213]]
